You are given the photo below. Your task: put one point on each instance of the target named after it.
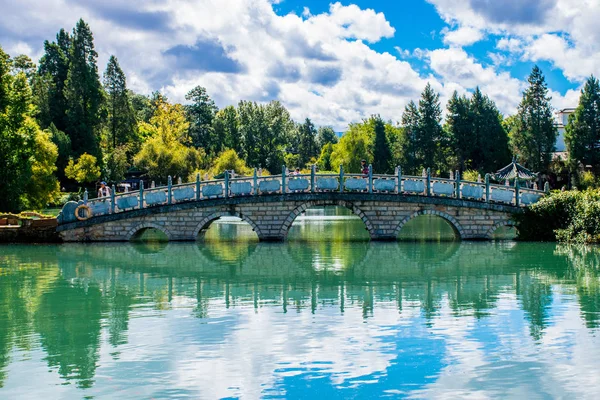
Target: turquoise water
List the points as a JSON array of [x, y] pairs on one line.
[[325, 315]]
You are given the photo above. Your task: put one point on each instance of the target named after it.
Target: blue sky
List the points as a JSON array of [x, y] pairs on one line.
[[335, 62]]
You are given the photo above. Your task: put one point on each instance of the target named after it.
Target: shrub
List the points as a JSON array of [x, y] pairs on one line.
[[570, 216]]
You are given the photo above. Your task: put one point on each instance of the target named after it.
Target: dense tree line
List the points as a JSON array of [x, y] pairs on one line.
[[62, 123]]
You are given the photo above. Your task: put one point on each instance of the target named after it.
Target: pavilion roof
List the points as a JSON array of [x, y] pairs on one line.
[[514, 170]]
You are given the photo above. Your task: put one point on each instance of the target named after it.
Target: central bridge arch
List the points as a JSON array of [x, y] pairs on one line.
[[324, 203], [453, 222], [205, 223]]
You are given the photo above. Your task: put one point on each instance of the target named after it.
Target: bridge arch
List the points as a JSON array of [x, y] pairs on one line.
[[205, 223], [142, 226], [456, 226], [287, 224], [506, 223]]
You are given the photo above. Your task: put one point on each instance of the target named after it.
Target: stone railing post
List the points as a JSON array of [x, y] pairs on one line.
[[312, 178], [457, 179], [112, 200], [487, 188], [517, 199], [370, 178], [547, 187], [399, 178], [85, 197], [226, 184], [255, 183], [169, 189], [141, 195], [198, 187], [428, 181], [341, 178], [283, 176], [179, 182]]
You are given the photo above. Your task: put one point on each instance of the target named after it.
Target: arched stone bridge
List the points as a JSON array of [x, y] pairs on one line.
[[270, 205]]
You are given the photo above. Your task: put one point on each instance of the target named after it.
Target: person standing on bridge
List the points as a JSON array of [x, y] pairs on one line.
[[364, 168], [103, 191]]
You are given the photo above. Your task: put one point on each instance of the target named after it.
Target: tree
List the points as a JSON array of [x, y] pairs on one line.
[[430, 134], [264, 129], [354, 146], [116, 163], [225, 126], [410, 121], [23, 63], [163, 154], [478, 139], [83, 92], [121, 119], [63, 145], [53, 72], [324, 161], [201, 114], [43, 187], [382, 155], [86, 169], [18, 131], [326, 135], [307, 146], [534, 134], [229, 160], [582, 134]]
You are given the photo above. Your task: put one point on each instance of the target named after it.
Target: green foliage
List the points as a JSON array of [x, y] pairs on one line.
[[121, 119], [470, 175], [200, 114], [326, 135], [533, 136], [583, 130], [164, 154], [83, 93], [86, 169], [116, 164], [307, 146], [425, 136], [225, 125], [477, 137], [586, 180], [324, 161], [43, 188], [354, 146], [382, 155], [53, 72], [292, 160], [229, 160], [570, 216], [63, 144], [264, 129]]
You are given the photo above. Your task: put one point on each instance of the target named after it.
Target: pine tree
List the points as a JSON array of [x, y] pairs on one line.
[[430, 133], [201, 114], [410, 122], [307, 146], [583, 131], [534, 134], [121, 120], [53, 72], [83, 92], [225, 125], [459, 125], [382, 154]]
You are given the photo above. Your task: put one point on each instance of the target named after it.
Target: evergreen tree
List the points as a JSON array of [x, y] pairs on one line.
[[410, 122], [459, 125], [326, 135], [382, 156], [201, 114], [63, 144], [121, 119], [534, 134], [53, 72], [307, 147], [430, 133], [83, 92], [583, 131]]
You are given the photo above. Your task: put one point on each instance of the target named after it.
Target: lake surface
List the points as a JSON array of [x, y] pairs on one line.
[[325, 315]]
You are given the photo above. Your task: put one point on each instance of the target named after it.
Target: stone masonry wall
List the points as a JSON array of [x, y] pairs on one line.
[[271, 221]]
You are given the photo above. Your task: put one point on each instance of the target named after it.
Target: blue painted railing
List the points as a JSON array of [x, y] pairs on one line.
[[255, 185]]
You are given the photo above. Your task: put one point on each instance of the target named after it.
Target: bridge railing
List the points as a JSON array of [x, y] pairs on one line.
[[255, 185]]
